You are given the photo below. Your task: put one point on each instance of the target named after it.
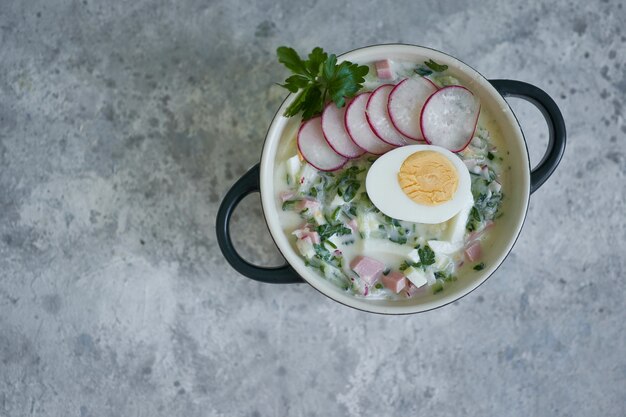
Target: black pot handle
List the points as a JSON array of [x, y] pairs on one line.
[[554, 118], [248, 183]]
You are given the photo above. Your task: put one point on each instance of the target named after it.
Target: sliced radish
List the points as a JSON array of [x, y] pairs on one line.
[[335, 132], [405, 105], [314, 148], [378, 116], [359, 129], [449, 117]]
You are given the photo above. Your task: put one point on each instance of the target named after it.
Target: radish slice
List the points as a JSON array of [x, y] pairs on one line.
[[314, 148], [335, 132], [378, 116], [359, 129], [405, 105], [449, 117]]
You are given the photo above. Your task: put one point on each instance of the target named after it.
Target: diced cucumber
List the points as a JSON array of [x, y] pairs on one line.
[[306, 178], [293, 168], [305, 246], [437, 286], [416, 276], [319, 218]]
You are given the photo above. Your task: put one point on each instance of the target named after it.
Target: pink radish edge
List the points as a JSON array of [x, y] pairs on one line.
[[345, 117], [367, 116], [346, 127], [312, 164], [475, 121], [393, 122]]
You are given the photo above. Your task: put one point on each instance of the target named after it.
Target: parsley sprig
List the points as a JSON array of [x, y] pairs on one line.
[[319, 79], [428, 68], [427, 257], [326, 231]]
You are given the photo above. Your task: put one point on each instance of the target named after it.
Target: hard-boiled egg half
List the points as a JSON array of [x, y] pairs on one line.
[[419, 183]]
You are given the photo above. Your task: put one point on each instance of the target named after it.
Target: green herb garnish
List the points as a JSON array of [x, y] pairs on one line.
[[479, 267], [422, 71], [437, 286], [435, 66], [327, 230], [427, 256], [319, 79], [288, 205], [322, 253], [348, 184], [474, 218], [401, 240], [405, 265], [490, 156], [445, 277]]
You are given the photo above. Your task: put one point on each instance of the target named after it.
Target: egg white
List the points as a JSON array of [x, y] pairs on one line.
[[386, 194]]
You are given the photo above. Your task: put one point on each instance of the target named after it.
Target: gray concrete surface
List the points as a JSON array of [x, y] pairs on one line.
[[122, 124]]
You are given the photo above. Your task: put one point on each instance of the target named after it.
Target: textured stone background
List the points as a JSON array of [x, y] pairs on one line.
[[122, 124]]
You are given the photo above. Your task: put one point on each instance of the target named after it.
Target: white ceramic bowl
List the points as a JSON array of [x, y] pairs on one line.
[[522, 182]]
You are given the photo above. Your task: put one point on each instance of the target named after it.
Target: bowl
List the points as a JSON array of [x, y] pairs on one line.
[[523, 181]]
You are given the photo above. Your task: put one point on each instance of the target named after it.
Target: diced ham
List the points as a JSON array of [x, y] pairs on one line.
[[305, 246], [383, 70], [395, 281], [287, 195], [302, 232], [352, 224], [368, 269], [315, 238], [307, 203], [411, 290], [478, 234], [306, 233], [473, 251]]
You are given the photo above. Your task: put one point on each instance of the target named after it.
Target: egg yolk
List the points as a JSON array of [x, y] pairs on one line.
[[428, 178]]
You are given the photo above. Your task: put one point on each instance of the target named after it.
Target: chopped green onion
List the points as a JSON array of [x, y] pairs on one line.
[[435, 66], [288, 205], [437, 286], [422, 71], [479, 267]]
